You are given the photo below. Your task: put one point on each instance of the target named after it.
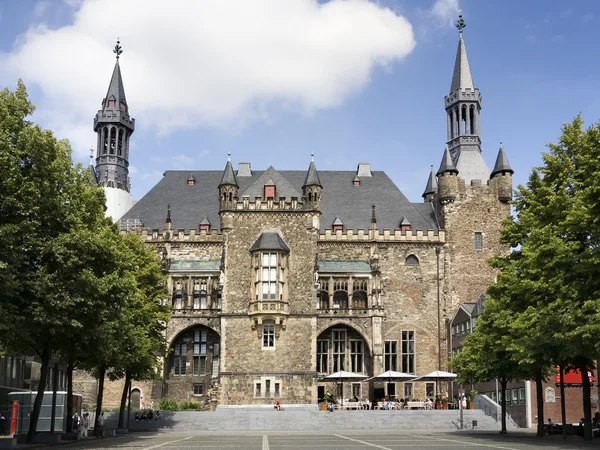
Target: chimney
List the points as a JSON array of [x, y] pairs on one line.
[[363, 170], [244, 170]]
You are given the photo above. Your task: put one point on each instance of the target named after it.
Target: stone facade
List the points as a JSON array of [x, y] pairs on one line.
[[278, 278]]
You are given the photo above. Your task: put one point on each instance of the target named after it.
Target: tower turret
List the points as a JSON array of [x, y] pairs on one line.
[[431, 188], [312, 189], [228, 187], [114, 127], [463, 107], [502, 176], [447, 179]]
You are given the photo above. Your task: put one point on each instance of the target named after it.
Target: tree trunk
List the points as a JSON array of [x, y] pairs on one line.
[[563, 412], [503, 383], [540, 403], [37, 405], [101, 373], [587, 404], [124, 400], [70, 396]]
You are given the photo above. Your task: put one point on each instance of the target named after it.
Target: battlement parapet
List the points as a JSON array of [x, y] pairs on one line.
[[386, 236], [181, 235]]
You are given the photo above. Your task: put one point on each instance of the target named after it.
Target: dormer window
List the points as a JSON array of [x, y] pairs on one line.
[[205, 225], [191, 180], [111, 103], [404, 225], [337, 225], [356, 181], [270, 192]]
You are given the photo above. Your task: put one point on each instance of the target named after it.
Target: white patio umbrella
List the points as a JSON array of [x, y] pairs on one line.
[[392, 376], [437, 376], [343, 376]]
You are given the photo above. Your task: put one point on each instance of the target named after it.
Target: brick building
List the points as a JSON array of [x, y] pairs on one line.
[[278, 277]]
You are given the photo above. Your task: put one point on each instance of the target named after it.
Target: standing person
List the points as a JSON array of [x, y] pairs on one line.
[[76, 423], [100, 430], [85, 424]]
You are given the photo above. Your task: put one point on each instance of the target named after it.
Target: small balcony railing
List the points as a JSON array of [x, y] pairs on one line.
[[266, 307]]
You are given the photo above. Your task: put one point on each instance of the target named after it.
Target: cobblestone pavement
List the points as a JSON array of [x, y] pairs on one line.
[[418, 440]]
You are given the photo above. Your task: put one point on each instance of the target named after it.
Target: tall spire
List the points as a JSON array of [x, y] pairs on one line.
[[114, 127], [461, 79], [312, 176], [431, 187], [502, 165], [463, 108], [228, 177]]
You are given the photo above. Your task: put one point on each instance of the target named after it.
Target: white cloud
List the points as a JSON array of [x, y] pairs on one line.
[[225, 63], [40, 8], [445, 12]]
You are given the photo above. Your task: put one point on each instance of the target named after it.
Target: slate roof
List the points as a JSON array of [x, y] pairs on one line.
[[116, 90], [352, 204], [342, 266], [312, 177], [446, 165], [269, 240], [502, 165], [188, 265], [228, 175], [431, 187], [461, 78]]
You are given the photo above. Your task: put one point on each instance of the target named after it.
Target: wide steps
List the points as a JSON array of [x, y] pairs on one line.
[[292, 420]]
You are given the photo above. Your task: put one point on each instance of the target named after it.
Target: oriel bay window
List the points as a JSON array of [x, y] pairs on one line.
[[270, 276]]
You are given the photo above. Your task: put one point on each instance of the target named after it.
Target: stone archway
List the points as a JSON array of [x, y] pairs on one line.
[[136, 399], [343, 347]]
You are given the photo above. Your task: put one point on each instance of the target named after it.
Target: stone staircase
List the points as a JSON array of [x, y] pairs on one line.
[[248, 419]]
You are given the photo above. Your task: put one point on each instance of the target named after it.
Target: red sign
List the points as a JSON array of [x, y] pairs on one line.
[[572, 377], [13, 418]]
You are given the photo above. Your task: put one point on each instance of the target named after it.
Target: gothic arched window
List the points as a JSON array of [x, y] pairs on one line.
[[412, 260]]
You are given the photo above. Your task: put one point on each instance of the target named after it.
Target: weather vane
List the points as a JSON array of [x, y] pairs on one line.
[[461, 23], [118, 49]]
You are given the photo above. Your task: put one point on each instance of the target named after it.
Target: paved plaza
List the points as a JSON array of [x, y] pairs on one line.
[[419, 440]]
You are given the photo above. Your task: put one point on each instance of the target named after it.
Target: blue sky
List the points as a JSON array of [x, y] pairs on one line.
[[272, 81]]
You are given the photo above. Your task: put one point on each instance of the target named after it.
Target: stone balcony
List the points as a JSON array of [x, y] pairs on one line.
[[269, 307]]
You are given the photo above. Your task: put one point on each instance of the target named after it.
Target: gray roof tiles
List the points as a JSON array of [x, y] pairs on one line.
[[352, 204], [116, 91], [461, 78], [431, 187], [312, 176], [269, 240], [228, 175], [502, 165], [446, 165]]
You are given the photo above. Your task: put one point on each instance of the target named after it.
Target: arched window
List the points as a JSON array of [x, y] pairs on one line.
[[178, 296], [340, 300], [322, 299], [120, 143], [359, 299], [201, 346], [104, 140], [412, 260], [113, 140]]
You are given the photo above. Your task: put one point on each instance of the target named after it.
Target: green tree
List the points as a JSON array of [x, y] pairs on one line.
[[44, 201]]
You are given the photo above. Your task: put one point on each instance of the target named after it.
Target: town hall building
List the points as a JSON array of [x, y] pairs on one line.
[[277, 278]]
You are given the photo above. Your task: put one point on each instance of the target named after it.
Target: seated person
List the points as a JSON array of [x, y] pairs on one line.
[[136, 417], [386, 404], [277, 405]]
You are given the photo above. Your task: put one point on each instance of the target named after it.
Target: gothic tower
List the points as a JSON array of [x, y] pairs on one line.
[[114, 127], [463, 107], [311, 189]]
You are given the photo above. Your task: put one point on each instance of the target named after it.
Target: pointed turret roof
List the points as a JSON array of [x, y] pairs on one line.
[[502, 165], [312, 177], [116, 91], [337, 221], [431, 187], [205, 221], [461, 79], [447, 165], [228, 175], [404, 221]]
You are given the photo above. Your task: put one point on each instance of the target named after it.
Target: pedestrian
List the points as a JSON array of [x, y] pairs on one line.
[[100, 422], [76, 422], [85, 424]]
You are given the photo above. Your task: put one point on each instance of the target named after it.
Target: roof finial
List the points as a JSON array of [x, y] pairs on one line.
[[228, 156], [501, 144], [460, 24], [118, 49], [312, 156]]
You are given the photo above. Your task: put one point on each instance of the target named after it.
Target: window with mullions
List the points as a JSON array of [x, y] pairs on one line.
[[269, 277], [180, 359], [268, 335], [408, 351], [322, 356], [391, 355], [199, 365], [339, 350], [356, 356]]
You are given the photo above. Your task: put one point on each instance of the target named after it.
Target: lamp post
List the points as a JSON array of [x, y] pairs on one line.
[[439, 334]]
